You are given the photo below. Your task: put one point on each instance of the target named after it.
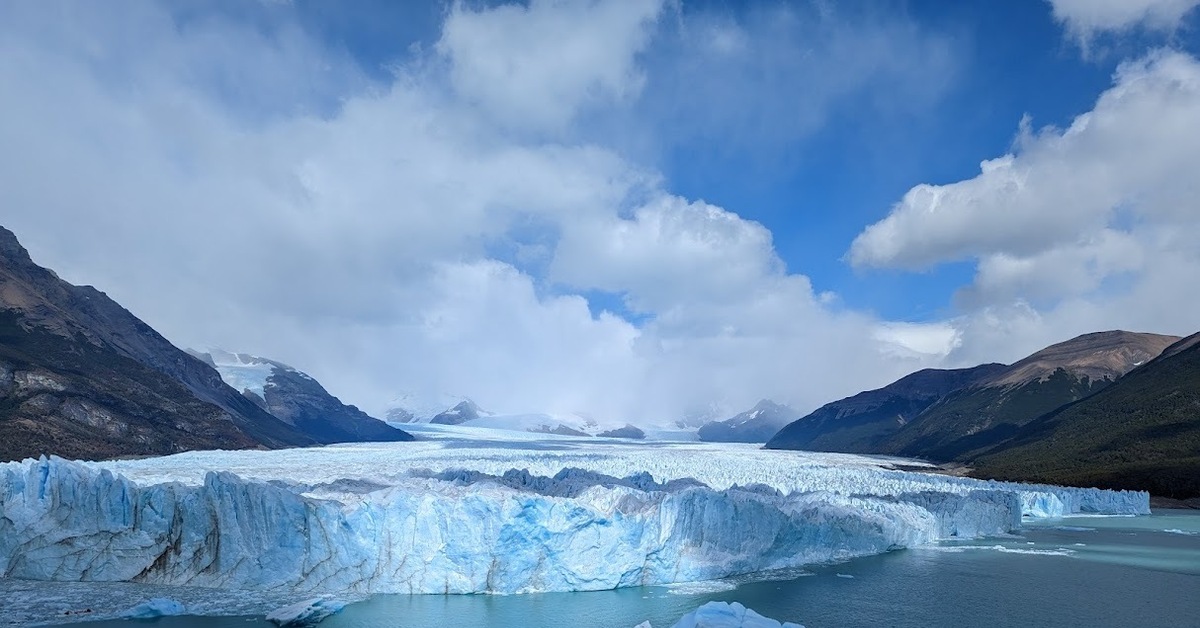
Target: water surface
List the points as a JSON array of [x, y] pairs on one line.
[[1080, 571]]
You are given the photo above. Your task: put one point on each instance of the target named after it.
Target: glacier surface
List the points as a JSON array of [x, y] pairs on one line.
[[487, 517]]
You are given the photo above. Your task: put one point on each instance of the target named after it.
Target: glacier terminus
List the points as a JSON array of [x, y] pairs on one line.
[[438, 516]]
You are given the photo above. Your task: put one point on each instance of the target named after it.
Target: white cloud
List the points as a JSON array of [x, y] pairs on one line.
[[248, 188], [1086, 18], [1079, 229], [669, 251], [534, 66], [1132, 157]]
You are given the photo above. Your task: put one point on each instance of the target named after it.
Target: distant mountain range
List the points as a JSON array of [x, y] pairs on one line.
[[1113, 408], [82, 377], [756, 425], [468, 414]]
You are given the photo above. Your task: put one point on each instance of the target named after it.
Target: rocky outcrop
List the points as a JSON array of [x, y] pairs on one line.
[[459, 414], [629, 431]]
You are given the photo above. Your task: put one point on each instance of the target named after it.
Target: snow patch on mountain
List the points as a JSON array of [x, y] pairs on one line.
[[541, 423], [412, 407], [245, 372]]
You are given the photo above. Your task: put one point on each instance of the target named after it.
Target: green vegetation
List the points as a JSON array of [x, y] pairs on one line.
[[974, 419], [866, 422], [1141, 433]]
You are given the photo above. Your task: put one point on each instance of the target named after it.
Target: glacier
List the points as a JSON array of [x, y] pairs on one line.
[[487, 517]]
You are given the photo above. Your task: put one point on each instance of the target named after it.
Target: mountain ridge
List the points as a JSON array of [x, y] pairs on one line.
[[82, 376], [299, 400], [860, 423]]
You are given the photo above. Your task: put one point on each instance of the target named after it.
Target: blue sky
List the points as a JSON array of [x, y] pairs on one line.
[[815, 192], [624, 209]]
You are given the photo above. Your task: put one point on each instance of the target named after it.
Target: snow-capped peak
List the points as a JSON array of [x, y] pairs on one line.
[[243, 371]]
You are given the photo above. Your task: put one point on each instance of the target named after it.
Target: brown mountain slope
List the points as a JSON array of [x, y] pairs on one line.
[[83, 377], [1097, 356], [975, 418], [1143, 432], [862, 423]]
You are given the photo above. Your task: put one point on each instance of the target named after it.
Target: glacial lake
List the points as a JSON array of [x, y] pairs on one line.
[[1078, 571]]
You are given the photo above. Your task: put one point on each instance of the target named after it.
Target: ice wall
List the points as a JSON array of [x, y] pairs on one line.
[[464, 531]]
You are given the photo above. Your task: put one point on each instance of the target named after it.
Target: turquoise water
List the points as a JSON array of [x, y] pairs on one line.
[[1082, 571]]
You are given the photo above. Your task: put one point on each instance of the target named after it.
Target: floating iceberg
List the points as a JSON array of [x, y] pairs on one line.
[[304, 614], [155, 607], [725, 615], [470, 524]]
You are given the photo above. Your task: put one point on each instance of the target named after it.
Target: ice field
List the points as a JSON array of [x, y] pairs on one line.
[[478, 511]]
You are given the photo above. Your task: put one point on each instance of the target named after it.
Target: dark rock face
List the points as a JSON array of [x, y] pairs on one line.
[[459, 414], [77, 400], [90, 380], [756, 425], [300, 401], [41, 300], [629, 431], [864, 423], [51, 319]]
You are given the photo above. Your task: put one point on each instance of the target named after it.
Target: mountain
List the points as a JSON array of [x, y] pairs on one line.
[[1142, 432], [864, 423], [299, 400], [978, 416], [82, 377], [756, 425], [461, 413], [628, 431], [411, 407], [536, 422]]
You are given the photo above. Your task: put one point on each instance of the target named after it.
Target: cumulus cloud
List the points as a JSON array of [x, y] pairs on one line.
[[430, 232], [1079, 228], [668, 252], [535, 66], [1086, 18]]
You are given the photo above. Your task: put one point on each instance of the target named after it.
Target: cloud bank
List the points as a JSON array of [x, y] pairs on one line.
[[483, 219], [453, 228]]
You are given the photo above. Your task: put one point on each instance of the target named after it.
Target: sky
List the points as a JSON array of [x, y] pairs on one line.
[[635, 210]]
